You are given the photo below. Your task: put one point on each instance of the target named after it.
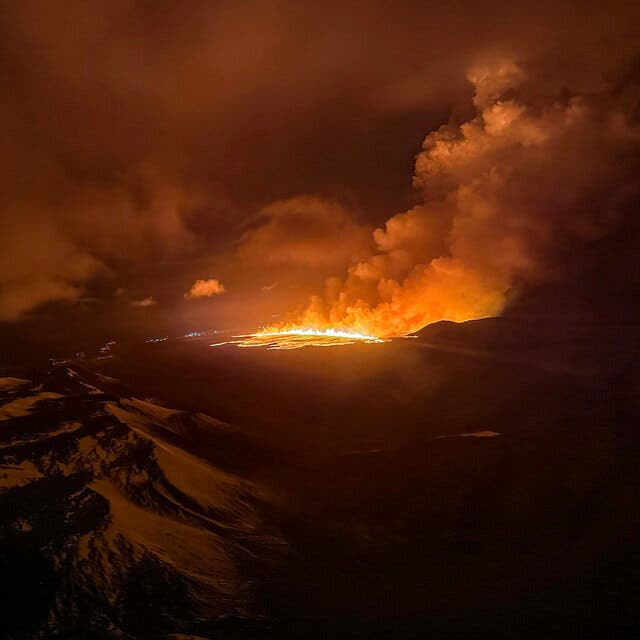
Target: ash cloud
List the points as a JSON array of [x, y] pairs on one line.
[[305, 231], [511, 198]]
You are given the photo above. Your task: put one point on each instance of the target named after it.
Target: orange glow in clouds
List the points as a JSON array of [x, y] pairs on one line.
[[490, 219]]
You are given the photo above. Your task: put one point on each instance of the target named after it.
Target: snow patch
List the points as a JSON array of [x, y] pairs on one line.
[[18, 475], [23, 406], [12, 384]]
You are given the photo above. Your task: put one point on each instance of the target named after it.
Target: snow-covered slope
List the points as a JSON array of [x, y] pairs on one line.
[[125, 533]]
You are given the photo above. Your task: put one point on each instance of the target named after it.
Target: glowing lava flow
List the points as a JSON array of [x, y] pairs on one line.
[[298, 337]]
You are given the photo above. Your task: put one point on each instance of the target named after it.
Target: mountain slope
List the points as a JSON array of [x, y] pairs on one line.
[[110, 529]]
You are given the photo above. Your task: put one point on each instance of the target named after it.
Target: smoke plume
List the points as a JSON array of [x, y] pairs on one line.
[[509, 199]]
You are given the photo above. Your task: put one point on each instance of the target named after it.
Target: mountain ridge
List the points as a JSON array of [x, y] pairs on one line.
[[109, 517]]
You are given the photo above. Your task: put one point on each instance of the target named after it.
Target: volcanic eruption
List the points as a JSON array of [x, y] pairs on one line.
[[483, 230]]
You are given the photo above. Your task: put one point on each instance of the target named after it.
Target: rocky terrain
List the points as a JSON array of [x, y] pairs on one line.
[[108, 528], [478, 480]]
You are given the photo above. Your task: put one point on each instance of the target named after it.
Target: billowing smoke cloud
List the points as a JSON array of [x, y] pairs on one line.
[[509, 198], [306, 231], [205, 289]]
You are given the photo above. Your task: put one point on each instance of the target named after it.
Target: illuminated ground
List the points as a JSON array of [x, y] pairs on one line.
[[300, 337]]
